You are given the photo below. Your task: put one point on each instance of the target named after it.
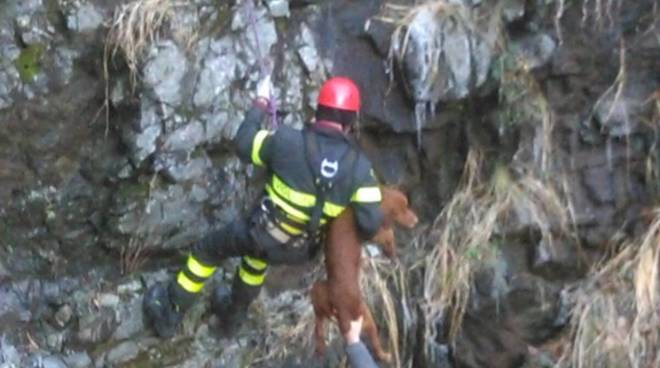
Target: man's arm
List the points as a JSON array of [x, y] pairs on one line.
[[357, 353], [252, 142], [366, 204]]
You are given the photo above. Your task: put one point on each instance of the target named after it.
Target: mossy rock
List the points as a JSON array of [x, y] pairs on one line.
[[29, 62]]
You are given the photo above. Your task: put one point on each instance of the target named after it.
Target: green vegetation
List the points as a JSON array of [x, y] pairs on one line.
[[29, 62]]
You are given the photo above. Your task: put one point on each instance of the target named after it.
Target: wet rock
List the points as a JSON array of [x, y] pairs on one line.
[[9, 53], [8, 353], [164, 69], [559, 260], [108, 300], [219, 69], [599, 181], [438, 355], [293, 88], [132, 286], [4, 272], [141, 138], [122, 353], [513, 10], [278, 8], [32, 24], [85, 18], [63, 315], [256, 28], [168, 219], [96, 327], [619, 114], [179, 168], [215, 124], [131, 320], [534, 51], [498, 333], [199, 193], [78, 360], [30, 298], [443, 59], [307, 50], [53, 362], [185, 138], [380, 32], [5, 90], [63, 63]]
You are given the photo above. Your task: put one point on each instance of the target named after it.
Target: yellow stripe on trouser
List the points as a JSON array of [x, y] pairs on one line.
[[251, 278], [256, 146], [188, 284], [198, 269], [256, 263]]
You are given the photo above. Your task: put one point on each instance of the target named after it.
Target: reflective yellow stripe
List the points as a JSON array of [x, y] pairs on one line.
[[290, 229], [292, 195], [199, 269], [255, 263], [332, 210], [367, 195], [256, 146], [250, 279], [188, 284], [303, 199], [285, 206]]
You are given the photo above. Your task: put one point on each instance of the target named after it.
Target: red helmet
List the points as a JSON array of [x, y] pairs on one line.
[[340, 93]]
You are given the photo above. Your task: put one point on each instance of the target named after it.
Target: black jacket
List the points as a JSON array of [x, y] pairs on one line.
[[291, 182]]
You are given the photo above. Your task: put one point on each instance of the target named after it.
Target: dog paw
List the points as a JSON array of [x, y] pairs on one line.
[[385, 357]]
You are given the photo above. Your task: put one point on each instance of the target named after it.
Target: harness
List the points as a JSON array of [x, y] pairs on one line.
[[326, 174]]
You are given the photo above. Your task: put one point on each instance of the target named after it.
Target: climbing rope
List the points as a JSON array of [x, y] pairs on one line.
[[265, 64]]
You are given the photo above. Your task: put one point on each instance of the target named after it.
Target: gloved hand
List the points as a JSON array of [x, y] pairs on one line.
[[352, 336], [265, 88]]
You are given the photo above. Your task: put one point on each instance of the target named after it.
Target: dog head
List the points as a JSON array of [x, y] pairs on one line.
[[396, 208]]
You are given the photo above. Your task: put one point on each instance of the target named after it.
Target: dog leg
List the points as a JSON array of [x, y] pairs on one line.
[[385, 238], [320, 300], [371, 330]]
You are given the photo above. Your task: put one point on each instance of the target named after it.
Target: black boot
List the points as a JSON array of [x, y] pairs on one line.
[[164, 306], [231, 305]]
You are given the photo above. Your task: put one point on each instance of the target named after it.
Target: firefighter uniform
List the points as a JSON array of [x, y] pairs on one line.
[[312, 176]]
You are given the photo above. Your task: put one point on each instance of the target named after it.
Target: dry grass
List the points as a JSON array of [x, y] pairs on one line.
[[138, 24], [134, 255], [525, 104], [600, 12], [616, 316], [436, 273], [289, 320], [653, 158], [465, 234], [135, 26], [378, 276]]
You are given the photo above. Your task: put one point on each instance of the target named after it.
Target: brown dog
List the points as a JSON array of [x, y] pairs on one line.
[[340, 294]]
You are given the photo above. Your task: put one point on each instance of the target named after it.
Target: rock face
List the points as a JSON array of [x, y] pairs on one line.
[[438, 54], [103, 176]]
